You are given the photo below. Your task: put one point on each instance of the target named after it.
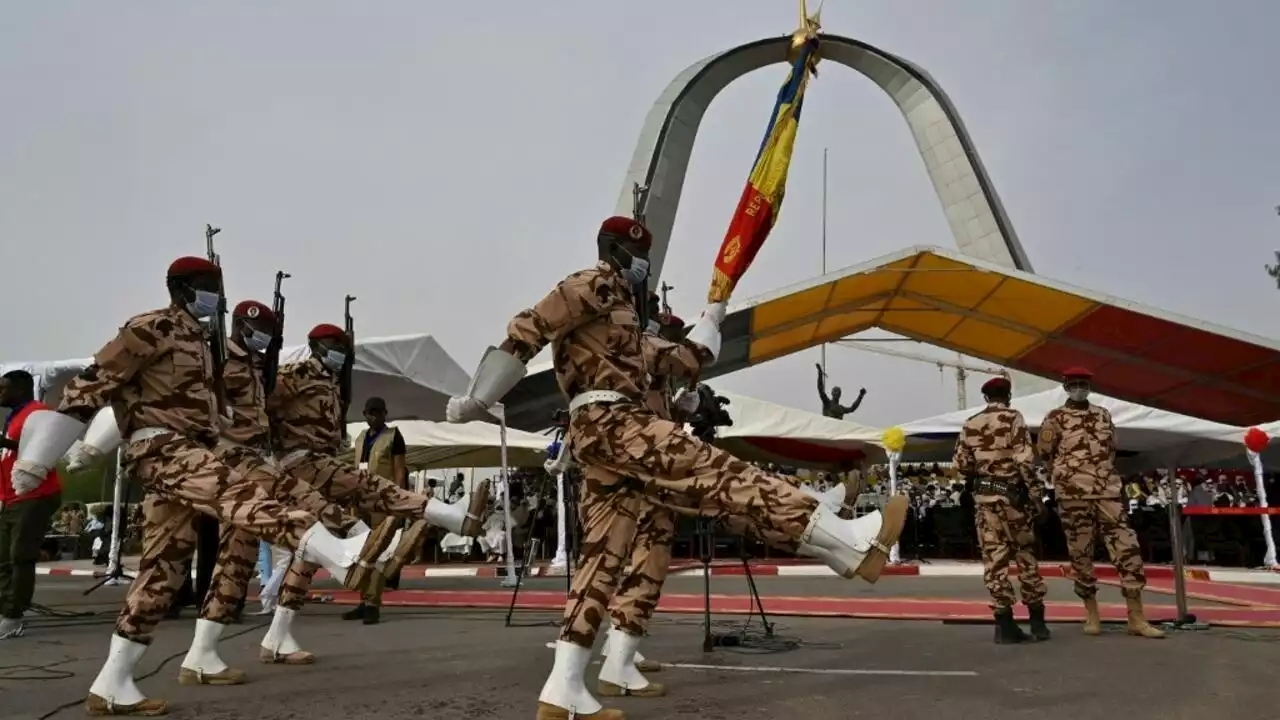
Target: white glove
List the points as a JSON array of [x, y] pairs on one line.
[[716, 311], [686, 401], [81, 456], [465, 409], [24, 482]]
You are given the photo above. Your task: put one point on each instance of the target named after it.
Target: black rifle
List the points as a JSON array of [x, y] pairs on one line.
[[348, 367], [271, 362], [218, 325]]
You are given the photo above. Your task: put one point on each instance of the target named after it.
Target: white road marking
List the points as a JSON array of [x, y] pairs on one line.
[[823, 671]]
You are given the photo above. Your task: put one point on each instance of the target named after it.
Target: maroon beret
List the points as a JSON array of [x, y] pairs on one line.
[[627, 228], [996, 385], [1077, 373], [254, 310], [325, 331], [188, 266]]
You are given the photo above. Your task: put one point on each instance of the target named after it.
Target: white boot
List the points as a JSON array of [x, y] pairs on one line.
[[360, 528], [279, 646], [619, 675], [845, 544], [114, 687], [463, 518], [337, 555], [641, 663], [567, 688], [203, 665]]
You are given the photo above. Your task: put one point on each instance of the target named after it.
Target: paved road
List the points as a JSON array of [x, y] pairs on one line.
[[465, 665]]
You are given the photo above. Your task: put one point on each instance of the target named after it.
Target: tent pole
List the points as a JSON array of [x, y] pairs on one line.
[[505, 479], [1175, 534]]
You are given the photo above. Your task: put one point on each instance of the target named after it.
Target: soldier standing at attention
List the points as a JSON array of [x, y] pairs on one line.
[[1078, 443], [995, 450]]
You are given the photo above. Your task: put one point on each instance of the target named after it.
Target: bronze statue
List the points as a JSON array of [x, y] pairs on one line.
[[831, 406]]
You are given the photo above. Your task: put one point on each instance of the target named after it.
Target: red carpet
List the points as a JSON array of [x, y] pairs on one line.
[[1256, 596], [882, 608]]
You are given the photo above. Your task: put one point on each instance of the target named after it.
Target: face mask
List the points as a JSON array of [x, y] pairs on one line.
[[334, 360], [1078, 394], [637, 271], [257, 340], [654, 327], [204, 305]]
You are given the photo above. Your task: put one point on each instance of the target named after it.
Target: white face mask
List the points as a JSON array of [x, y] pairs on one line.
[[637, 271], [334, 360], [204, 305], [257, 341], [654, 327], [1078, 394]]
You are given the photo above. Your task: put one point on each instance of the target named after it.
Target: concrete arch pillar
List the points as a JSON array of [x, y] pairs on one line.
[[978, 221]]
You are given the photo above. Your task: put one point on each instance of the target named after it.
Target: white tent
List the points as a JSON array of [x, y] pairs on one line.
[[433, 445], [1154, 436], [413, 373], [767, 432]]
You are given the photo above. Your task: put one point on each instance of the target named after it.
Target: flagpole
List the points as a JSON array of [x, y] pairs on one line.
[[824, 239]]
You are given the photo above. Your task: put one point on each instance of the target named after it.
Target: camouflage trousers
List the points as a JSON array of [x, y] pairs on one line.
[[667, 467], [238, 550], [1083, 521], [184, 479], [360, 491], [1007, 534]]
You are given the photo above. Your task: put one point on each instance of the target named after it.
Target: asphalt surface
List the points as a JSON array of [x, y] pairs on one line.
[[446, 664]]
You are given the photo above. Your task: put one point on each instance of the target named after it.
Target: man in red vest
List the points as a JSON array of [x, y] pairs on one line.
[[27, 506]]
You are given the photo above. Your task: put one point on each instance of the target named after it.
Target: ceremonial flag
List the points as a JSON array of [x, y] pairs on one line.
[[762, 199]]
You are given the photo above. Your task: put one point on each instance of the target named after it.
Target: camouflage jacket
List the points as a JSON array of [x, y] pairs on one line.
[[246, 399], [306, 409], [662, 387], [156, 373], [596, 339], [1078, 445], [996, 444]]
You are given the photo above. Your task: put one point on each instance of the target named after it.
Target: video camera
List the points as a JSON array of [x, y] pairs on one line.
[[711, 414]]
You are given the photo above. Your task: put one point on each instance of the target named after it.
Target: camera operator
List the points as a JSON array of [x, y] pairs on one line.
[[710, 414]]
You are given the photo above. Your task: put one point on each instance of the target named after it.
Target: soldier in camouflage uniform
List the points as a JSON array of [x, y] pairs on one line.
[[590, 320], [1078, 443], [157, 375], [995, 452], [308, 428], [640, 587]]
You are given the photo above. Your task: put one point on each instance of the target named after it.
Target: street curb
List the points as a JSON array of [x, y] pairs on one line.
[[723, 568]]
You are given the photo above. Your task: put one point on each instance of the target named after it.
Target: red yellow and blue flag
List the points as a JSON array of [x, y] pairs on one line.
[[762, 199]]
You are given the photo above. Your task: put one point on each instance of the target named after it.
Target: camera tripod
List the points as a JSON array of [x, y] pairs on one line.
[[115, 568], [531, 543], [705, 536]]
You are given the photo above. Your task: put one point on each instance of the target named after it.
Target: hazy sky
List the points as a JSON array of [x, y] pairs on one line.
[[449, 162]]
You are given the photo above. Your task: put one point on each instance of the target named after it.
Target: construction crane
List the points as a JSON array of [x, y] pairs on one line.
[[962, 370]]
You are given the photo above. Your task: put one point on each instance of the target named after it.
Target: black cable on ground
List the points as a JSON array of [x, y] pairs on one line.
[[158, 668], [8, 672]]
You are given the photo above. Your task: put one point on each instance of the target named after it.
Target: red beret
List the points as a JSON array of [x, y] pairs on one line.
[[625, 227], [1077, 373], [188, 266], [996, 385], [325, 331], [254, 310], [672, 321]]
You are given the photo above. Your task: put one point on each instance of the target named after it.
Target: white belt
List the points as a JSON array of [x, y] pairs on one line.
[[293, 458], [147, 433], [591, 397]]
